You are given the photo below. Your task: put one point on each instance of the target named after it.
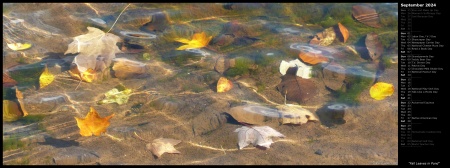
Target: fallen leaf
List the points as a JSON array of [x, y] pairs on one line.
[[19, 46], [381, 90], [224, 85], [116, 96], [294, 114], [312, 58], [342, 33], [163, 145], [296, 88], [303, 70], [93, 124], [92, 45], [19, 96], [374, 46], [11, 111], [366, 15], [199, 40], [87, 76], [8, 81], [46, 78], [257, 135]]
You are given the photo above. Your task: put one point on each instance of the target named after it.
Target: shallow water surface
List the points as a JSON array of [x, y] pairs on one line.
[[196, 75]]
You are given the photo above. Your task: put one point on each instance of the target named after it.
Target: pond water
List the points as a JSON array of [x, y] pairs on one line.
[[209, 83]]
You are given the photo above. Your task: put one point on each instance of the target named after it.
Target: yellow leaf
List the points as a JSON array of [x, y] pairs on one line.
[[224, 85], [199, 40], [19, 46], [11, 111], [46, 78], [93, 123], [381, 90], [19, 96], [87, 76]]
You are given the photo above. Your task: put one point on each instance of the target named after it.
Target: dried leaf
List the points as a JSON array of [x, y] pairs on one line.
[[224, 85], [19, 46], [93, 124], [92, 45], [11, 111], [21, 102], [199, 40], [296, 88], [342, 33], [8, 81], [46, 78], [381, 90], [114, 96], [312, 58], [366, 15], [163, 145], [87, 76], [257, 135], [374, 46]]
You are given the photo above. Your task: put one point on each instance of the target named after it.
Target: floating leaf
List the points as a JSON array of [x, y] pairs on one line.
[[374, 46], [87, 76], [303, 70], [11, 111], [366, 15], [163, 145], [8, 81], [381, 90], [46, 78], [199, 40], [312, 58], [324, 38], [224, 85], [114, 96], [21, 102], [296, 88], [93, 124], [19, 46], [92, 45], [257, 135], [342, 32]]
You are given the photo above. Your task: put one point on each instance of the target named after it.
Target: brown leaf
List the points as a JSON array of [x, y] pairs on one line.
[[342, 32], [366, 15], [296, 88], [312, 58], [374, 46]]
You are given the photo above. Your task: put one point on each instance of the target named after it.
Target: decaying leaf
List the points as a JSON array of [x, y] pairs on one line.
[[324, 38], [19, 96], [374, 46], [381, 90], [46, 78], [342, 32], [163, 145], [116, 96], [11, 111], [93, 124], [294, 114], [296, 88], [87, 76], [366, 15], [8, 81], [19, 46], [199, 40], [224, 85], [303, 70], [312, 57], [91, 46], [257, 135]]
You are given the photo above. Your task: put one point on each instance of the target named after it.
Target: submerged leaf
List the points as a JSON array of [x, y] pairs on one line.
[[87, 76], [312, 58], [114, 96], [381, 90], [224, 85], [163, 145], [93, 124], [257, 135], [11, 111], [19, 46], [20, 100], [199, 40], [46, 78], [296, 88], [342, 33], [374, 46]]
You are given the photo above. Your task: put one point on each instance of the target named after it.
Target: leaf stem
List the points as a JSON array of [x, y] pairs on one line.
[[118, 18]]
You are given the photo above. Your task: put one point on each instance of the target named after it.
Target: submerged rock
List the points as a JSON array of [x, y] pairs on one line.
[[74, 156], [159, 22], [334, 76]]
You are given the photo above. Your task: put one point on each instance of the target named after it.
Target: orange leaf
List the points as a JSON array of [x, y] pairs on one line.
[[312, 58], [381, 90], [87, 76], [343, 31], [224, 85], [199, 40], [93, 123]]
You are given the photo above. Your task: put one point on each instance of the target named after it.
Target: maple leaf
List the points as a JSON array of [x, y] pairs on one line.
[[257, 135], [199, 40], [93, 123], [116, 96], [163, 145]]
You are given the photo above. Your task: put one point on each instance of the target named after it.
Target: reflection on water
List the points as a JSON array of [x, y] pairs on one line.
[[168, 58]]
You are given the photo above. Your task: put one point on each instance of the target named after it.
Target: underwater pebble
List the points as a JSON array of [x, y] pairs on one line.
[[140, 35], [98, 20], [318, 152]]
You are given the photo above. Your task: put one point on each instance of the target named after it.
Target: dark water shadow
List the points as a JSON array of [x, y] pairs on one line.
[[58, 143], [360, 47], [213, 86]]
